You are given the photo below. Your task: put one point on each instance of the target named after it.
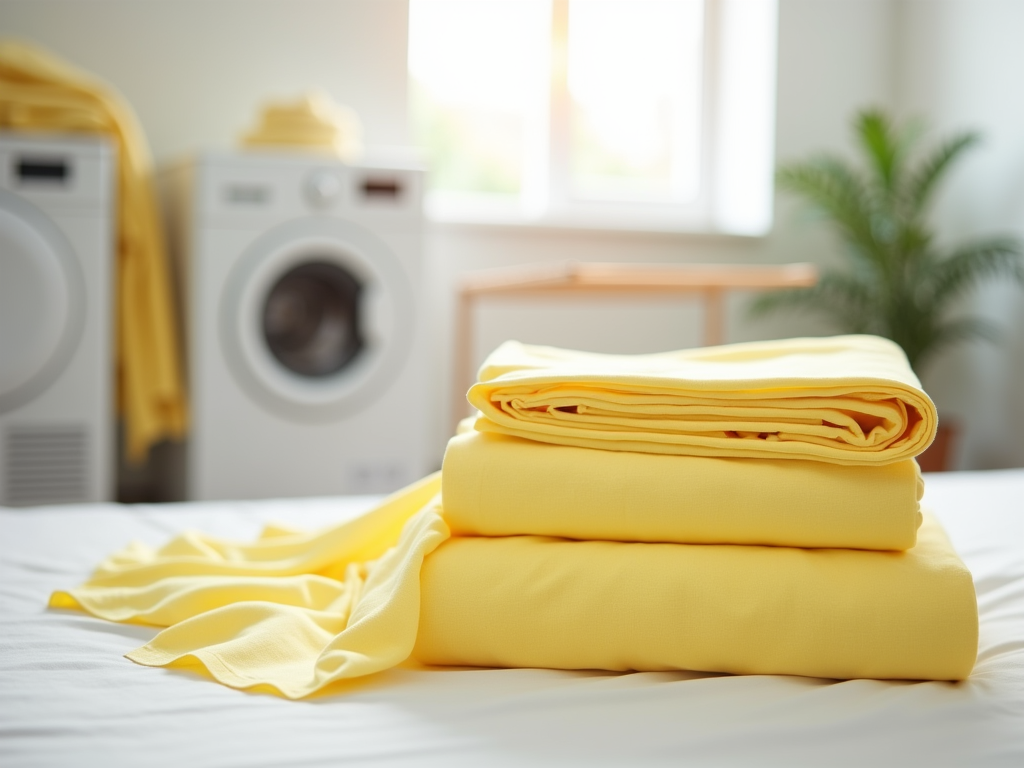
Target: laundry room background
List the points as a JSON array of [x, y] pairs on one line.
[[197, 72]]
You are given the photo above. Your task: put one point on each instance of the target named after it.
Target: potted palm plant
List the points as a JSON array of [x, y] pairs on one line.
[[896, 279]]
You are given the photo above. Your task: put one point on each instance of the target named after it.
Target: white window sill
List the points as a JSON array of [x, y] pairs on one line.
[[557, 225], [652, 221]]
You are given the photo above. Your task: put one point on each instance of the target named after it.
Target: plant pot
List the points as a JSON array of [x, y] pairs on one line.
[[939, 456]]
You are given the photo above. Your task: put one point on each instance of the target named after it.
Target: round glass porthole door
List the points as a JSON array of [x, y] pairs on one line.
[[317, 318], [42, 302], [311, 319]]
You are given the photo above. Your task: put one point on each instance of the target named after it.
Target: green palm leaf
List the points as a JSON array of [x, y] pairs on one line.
[[836, 191], [882, 146], [921, 185], [961, 329], [897, 283], [843, 297], [951, 277]]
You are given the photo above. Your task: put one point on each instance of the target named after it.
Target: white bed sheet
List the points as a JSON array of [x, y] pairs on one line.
[[68, 697]]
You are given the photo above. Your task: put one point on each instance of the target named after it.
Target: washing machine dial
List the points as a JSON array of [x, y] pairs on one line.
[[323, 188]]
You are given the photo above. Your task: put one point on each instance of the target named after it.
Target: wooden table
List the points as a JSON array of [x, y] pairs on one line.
[[710, 281]]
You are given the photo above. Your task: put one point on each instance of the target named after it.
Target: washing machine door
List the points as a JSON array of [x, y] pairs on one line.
[[42, 301], [317, 318]]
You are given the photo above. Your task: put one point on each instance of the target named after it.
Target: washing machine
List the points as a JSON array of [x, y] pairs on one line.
[[57, 240], [299, 281]]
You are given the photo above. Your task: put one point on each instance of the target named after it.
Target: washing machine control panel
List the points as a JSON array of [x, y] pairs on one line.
[[254, 191]]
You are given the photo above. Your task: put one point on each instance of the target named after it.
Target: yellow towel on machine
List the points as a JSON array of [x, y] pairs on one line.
[[844, 400], [495, 485], [41, 93], [313, 122]]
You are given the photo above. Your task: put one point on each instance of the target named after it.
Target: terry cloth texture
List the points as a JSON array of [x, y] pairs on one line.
[[845, 400], [295, 612], [39, 93]]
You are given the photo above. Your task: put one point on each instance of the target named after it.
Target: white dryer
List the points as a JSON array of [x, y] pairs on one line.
[[300, 290], [57, 242]]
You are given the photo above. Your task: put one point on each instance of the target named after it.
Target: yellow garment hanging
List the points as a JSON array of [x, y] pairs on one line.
[[38, 92]]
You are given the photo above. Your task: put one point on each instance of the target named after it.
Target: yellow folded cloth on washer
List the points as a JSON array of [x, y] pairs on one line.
[[495, 485], [527, 601], [38, 92], [315, 121], [843, 400]]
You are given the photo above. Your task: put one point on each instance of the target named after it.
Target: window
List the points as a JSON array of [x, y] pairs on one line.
[[596, 113]]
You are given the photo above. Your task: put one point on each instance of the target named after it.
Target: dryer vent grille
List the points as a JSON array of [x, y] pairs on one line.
[[46, 466]]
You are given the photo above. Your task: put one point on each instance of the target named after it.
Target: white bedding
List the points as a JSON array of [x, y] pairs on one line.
[[67, 697]]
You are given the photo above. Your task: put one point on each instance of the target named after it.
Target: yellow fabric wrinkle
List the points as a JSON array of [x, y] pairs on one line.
[[291, 611]]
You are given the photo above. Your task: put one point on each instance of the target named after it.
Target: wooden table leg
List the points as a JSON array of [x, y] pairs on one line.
[[714, 320], [462, 377]]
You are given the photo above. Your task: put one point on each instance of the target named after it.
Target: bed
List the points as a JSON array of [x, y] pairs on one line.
[[68, 697]]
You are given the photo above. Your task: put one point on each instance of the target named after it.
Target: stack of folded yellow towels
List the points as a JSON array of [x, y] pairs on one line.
[[751, 509]]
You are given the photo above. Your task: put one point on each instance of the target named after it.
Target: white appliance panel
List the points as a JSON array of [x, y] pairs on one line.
[[245, 223], [57, 239]]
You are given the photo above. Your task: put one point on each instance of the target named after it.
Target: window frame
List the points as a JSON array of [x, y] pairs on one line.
[[544, 202]]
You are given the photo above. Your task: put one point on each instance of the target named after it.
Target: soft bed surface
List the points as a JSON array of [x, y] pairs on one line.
[[68, 697]]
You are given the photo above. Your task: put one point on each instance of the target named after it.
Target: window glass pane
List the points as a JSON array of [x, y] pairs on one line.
[[478, 78], [634, 74]]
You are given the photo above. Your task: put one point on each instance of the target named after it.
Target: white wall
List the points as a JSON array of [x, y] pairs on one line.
[[195, 71], [959, 64]]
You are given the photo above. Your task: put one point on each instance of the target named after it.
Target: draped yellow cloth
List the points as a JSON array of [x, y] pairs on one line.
[[40, 93], [290, 611], [574, 558], [844, 400]]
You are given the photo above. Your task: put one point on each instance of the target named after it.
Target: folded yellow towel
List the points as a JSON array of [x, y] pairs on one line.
[[843, 400], [314, 122], [526, 601], [41, 93], [495, 485]]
